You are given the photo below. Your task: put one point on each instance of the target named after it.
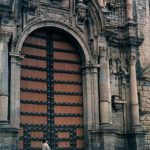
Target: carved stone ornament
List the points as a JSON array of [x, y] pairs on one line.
[[32, 5], [81, 12]]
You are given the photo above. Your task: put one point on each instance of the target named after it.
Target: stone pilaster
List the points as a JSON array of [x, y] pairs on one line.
[[129, 9], [4, 39], [8, 134], [91, 117], [15, 90]]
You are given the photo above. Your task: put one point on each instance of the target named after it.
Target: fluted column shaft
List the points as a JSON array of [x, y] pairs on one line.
[[104, 86], [133, 92], [4, 38], [129, 9]]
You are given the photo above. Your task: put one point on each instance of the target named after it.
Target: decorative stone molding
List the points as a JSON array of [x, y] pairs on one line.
[[115, 65], [17, 57], [60, 25]]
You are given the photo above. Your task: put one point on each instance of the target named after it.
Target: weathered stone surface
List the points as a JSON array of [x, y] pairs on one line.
[[8, 138], [109, 33]]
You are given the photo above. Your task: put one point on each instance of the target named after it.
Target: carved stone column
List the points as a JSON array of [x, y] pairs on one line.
[[129, 9], [107, 132], [104, 86], [133, 93], [4, 39], [136, 134]]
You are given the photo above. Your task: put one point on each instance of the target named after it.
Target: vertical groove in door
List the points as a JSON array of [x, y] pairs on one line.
[[50, 88]]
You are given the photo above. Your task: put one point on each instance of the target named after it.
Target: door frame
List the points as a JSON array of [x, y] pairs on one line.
[[86, 76]]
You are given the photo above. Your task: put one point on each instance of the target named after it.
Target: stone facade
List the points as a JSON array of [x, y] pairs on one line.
[[114, 37]]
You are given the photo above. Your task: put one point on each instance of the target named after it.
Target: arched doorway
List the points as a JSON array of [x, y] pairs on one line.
[[51, 92]]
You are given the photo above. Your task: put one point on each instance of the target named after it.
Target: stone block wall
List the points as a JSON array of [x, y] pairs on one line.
[[144, 100], [143, 18], [8, 139]]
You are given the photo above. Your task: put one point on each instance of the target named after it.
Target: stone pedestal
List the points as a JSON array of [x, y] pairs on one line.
[[136, 138], [95, 140], [107, 137], [8, 138]]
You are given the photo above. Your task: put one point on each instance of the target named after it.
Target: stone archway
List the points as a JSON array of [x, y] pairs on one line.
[[16, 68]]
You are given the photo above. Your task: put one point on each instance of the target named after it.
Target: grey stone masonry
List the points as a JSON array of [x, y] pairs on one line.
[[144, 98], [143, 20], [8, 138], [113, 39]]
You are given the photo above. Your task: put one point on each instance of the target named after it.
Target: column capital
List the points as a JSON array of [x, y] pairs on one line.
[[5, 36], [104, 52], [132, 60], [90, 68], [17, 57]]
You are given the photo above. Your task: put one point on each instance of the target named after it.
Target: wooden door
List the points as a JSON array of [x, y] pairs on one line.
[[51, 92]]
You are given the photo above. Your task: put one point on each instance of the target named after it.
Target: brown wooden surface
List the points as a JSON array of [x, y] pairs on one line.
[[60, 86]]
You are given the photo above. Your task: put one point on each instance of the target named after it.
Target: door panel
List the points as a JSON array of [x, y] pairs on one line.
[[51, 92]]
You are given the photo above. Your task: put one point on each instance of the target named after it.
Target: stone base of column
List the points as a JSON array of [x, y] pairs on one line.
[[8, 138], [94, 140], [136, 138], [107, 137]]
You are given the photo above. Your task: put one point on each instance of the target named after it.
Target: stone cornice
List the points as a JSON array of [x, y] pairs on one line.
[[17, 55], [128, 35]]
